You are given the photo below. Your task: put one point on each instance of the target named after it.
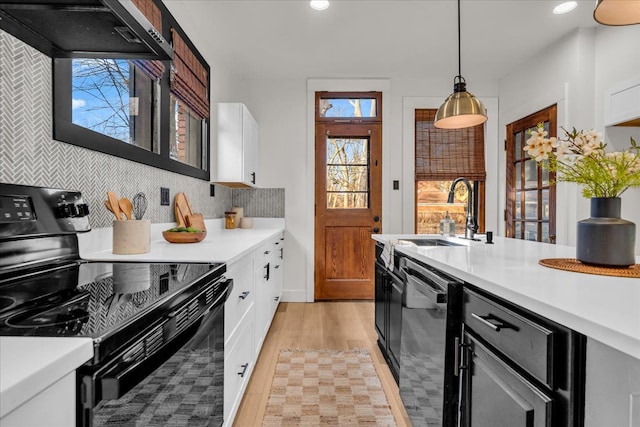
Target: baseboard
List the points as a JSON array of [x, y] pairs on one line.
[[294, 296]]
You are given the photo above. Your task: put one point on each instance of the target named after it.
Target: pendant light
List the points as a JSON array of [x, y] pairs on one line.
[[617, 12], [461, 109]]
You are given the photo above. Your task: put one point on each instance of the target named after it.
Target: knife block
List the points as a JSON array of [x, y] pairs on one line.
[[131, 237]]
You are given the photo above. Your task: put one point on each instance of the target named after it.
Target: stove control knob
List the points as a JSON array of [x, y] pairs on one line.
[[67, 210], [83, 209]]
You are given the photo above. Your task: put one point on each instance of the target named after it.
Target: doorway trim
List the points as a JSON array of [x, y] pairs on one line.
[[340, 85]]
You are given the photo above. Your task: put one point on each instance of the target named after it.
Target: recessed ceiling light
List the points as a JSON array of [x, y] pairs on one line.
[[319, 4], [565, 7]]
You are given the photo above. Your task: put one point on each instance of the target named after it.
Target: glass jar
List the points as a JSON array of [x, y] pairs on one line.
[[229, 220]]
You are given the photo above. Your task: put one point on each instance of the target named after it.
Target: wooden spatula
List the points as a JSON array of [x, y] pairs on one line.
[[115, 207], [126, 207], [108, 206], [182, 208]]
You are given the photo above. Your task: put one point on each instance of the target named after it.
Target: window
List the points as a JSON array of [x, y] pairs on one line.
[[151, 112], [531, 193], [443, 155], [355, 107], [116, 99]]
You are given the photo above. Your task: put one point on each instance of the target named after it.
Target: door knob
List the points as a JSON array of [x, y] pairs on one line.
[[376, 229], [376, 218]]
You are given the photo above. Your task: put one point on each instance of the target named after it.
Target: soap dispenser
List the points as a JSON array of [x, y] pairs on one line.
[[447, 226]]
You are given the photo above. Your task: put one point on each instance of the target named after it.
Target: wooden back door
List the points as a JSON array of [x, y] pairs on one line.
[[348, 205]]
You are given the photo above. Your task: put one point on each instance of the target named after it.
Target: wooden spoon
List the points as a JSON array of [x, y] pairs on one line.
[[126, 206], [108, 205], [113, 201]]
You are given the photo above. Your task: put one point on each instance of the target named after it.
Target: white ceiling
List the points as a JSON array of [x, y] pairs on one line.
[[379, 38]]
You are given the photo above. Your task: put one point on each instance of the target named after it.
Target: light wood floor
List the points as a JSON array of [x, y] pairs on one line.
[[330, 325]]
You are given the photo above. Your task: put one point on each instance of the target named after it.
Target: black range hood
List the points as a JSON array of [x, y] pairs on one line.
[[84, 28]]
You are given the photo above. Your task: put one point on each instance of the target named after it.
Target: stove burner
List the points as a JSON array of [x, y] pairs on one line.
[[6, 302], [65, 318]]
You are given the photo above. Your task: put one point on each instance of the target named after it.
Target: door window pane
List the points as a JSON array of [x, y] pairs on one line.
[[347, 173], [518, 205], [531, 231], [518, 150], [518, 176], [545, 204], [531, 204], [518, 230], [348, 108], [544, 168], [530, 174], [545, 233]]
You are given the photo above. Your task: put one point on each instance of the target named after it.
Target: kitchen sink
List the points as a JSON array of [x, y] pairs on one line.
[[427, 242]]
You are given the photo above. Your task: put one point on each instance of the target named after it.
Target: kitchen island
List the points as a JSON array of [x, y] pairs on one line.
[[605, 309]]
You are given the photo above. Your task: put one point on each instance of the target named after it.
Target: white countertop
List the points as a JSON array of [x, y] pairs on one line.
[[601, 307], [220, 245], [29, 365]]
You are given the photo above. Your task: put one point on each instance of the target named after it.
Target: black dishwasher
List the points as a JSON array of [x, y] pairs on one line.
[[430, 325]]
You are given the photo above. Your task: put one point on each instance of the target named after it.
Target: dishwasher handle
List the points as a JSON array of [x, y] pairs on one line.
[[431, 291], [440, 280]]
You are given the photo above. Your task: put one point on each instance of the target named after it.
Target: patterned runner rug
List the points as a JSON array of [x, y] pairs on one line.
[[326, 388]]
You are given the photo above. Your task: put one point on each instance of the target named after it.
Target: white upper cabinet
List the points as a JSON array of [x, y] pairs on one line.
[[238, 146], [622, 104]]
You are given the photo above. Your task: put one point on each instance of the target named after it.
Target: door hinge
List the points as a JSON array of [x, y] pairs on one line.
[[505, 214], [505, 145]]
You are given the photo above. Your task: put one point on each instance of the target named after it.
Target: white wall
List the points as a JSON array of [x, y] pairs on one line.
[[574, 72]]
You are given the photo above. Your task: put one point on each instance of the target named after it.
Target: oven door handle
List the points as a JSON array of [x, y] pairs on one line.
[[120, 376]]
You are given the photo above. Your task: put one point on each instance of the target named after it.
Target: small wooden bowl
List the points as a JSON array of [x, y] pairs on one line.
[[183, 237]]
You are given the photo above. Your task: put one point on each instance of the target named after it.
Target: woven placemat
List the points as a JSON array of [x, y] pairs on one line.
[[572, 264]]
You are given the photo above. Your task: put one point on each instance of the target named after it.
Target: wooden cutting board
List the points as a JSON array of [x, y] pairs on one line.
[[195, 220], [182, 207]]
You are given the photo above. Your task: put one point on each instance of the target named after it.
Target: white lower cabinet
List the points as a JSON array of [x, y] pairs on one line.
[[268, 279], [55, 406], [249, 310]]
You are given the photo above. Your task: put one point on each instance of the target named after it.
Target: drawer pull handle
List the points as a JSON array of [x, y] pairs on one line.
[[244, 369], [499, 324], [267, 252], [244, 295], [276, 298]]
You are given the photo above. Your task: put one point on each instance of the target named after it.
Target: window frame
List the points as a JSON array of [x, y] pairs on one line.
[[66, 131]]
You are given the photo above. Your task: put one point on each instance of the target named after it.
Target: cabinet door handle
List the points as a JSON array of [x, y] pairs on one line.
[[266, 275], [497, 326], [253, 177], [244, 295], [267, 252], [276, 298], [244, 369]]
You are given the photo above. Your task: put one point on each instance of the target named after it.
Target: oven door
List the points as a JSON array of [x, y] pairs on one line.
[[172, 375]]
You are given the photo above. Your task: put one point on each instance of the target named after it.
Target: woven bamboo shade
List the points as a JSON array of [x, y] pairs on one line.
[[446, 154], [153, 69], [189, 77]]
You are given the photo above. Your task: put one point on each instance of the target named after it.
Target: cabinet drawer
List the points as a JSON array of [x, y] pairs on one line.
[[242, 295], [269, 250], [524, 340], [238, 366]]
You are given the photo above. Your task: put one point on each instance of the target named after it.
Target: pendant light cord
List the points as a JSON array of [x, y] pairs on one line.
[[459, 56]]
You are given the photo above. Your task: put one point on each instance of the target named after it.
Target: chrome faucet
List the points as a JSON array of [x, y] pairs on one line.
[[470, 227]]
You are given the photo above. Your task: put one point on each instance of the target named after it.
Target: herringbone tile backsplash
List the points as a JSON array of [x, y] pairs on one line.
[[29, 155]]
